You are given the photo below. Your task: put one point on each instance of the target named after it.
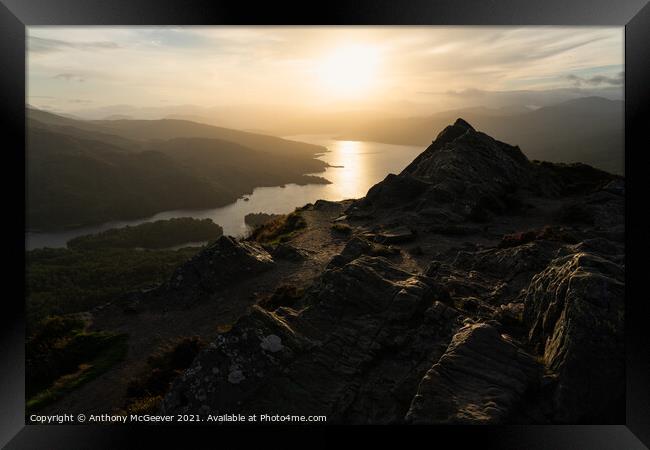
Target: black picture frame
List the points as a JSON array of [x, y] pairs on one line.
[[15, 15]]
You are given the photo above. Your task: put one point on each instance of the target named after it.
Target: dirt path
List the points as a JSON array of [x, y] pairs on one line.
[[155, 324]]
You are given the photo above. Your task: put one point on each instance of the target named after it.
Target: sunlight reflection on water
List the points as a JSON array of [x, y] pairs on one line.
[[363, 165]]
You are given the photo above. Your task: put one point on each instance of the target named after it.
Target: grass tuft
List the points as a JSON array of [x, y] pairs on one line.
[[62, 355], [278, 230]]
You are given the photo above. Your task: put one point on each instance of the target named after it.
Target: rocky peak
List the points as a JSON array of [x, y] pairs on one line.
[[464, 172], [480, 328], [468, 175], [452, 132], [462, 123], [460, 145]]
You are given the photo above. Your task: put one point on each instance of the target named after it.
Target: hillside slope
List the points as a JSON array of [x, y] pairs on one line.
[[74, 182], [132, 132], [475, 287], [80, 173]]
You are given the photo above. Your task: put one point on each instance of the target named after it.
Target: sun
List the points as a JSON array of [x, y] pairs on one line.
[[350, 71]]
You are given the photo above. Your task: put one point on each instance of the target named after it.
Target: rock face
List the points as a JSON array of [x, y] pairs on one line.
[[288, 252], [395, 235], [355, 353], [358, 246], [478, 380], [222, 263], [463, 171], [510, 310], [575, 309]]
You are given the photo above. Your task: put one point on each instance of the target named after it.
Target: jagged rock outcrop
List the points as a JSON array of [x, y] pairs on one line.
[[463, 171], [480, 379], [565, 304], [288, 252], [575, 310], [466, 175], [358, 246], [220, 264]]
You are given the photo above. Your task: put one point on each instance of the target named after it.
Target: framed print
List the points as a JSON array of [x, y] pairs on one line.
[[355, 216]]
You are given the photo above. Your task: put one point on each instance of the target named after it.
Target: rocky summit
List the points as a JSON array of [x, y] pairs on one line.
[[474, 287]]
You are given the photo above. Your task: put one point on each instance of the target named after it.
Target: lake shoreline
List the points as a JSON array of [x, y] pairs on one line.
[[303, 180], [351, 168]]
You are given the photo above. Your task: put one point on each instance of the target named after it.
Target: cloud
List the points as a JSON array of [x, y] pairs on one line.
[[44, 45], [69, 77], [555, 49], [597, 80], [209, 66], [464, 93], [60, 100], [518, 98]]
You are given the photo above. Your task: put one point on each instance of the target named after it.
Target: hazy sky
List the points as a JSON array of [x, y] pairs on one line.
[[83, 68]]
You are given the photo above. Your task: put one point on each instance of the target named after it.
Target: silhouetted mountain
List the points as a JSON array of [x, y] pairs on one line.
[[73, 182], [81, 173], [165, 129], [588, 130], [118, 117], [238, 167], [37, 119], [142, 131]]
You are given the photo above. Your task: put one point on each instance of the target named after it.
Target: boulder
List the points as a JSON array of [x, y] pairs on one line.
[[358, 246], [395, 235], [288, 252], [220, 264]]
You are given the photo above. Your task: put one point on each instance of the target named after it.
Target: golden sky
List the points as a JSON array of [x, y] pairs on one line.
[[407, 69]]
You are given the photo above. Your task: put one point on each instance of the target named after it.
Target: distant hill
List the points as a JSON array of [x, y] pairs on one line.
[[588, 130], [118, 117], [80, 173], [43, 120], [74, 182], [132, 132], [165, 129], [238, 167]]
